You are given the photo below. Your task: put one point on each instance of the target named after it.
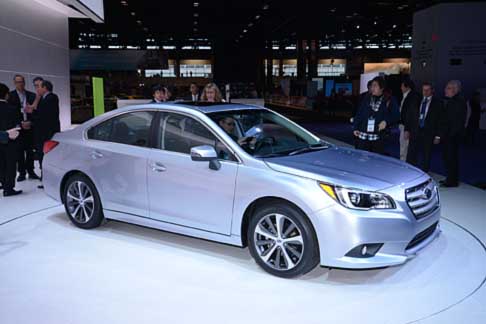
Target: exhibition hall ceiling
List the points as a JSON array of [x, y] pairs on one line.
[[250, 22]]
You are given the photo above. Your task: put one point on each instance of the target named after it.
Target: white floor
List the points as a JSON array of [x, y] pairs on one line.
[[52, 272]]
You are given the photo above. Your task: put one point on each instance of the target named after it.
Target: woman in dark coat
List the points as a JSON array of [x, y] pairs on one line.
[[372, 118]]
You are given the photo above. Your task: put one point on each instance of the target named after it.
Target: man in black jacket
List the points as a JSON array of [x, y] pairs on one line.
[[45, 118], [452, 131], [422, 127], [9, 118], [20, 98], [410, 101]]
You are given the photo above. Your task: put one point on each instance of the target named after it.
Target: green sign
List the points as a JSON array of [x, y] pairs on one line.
[[98, 96]]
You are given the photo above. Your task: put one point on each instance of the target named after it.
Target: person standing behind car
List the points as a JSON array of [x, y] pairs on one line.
[[211, 93], [9, 118], [422, 127], [20, 98], [45, 118], [410, 101], [452, 131], [372, 118]]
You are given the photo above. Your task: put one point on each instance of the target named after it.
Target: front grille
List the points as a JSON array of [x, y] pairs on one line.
[[422, 236], [423, 199]]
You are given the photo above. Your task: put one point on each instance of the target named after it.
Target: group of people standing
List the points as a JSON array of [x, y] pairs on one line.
[[29, 120], [424, 120], [210, 93]]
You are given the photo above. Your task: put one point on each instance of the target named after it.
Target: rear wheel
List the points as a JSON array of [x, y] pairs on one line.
[[82, 202], [282, 240]]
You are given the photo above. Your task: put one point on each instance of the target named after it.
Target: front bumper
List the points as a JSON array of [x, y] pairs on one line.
[[340, 230]]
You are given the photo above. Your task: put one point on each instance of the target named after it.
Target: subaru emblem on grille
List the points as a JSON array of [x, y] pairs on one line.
[[427, 193]]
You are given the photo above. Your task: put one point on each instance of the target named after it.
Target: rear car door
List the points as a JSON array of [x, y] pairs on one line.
[[118, 150]]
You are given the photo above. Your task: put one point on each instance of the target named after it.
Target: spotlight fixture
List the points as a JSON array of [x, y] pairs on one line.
[[357, 26], [257, 17], [244, 30], [196, 14], [132, 13], [195, 23], [139, 22], [266, 6], [374, 23], [195, 29], [196, 4], [124, 3], [394, 26], [250, 24]]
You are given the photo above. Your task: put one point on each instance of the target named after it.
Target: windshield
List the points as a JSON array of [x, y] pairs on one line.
[[263, 133]]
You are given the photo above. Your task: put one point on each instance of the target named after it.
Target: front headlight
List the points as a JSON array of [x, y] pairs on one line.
[[358, 199]]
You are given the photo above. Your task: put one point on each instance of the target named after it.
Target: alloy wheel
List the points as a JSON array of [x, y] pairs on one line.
[[80, 202], [279, 242]]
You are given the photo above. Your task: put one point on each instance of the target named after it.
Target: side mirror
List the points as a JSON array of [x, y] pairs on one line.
[[206, 153]]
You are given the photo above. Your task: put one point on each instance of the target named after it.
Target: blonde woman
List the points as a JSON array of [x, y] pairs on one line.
[[211, 93]]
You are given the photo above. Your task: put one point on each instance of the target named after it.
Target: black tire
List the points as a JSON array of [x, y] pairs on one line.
[[309, 254], [97, 211]]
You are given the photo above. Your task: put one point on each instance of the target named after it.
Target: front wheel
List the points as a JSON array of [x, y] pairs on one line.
[[82, 202], [282, 241]]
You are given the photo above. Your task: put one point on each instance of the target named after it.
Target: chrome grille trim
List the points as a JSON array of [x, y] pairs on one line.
[[423, 199]]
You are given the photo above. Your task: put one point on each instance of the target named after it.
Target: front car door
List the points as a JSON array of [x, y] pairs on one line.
[[185, 192], [118, 150]]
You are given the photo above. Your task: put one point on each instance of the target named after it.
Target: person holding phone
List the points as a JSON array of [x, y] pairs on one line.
[[10, 118]]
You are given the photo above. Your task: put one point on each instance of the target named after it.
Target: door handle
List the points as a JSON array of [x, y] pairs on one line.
[[158, 167], [96, 155]]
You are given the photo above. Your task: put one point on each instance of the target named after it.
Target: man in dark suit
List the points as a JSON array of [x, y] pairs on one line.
[[20, 98], [9, 118], [45, 118], [422, 127], [452, 130], [410, 102], [194, 94]]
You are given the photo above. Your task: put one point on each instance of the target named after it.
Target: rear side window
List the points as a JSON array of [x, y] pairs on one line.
[[131, 128]]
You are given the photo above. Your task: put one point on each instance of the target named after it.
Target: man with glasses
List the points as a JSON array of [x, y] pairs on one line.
[[21, 98], [229, 124], [452, 131]]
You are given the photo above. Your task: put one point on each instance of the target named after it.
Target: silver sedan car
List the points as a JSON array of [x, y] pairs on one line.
[[246, 176]]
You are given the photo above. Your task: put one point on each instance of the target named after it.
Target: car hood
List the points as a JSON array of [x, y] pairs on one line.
[[347, 167]]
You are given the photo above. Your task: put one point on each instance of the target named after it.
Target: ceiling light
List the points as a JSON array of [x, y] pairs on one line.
[[139, 22], [394, 26], [132, 13], [257, 17], [196, 14], [265, 7], [195, 23], [244, 30], [124, 3], [196, 4], [357, 26], [250, 24], [374, 23], [195, 29]]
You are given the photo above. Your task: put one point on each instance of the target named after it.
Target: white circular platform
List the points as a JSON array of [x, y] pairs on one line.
[[53, 272]]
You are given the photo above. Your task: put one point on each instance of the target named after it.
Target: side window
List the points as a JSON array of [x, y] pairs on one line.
[[131, 128], [101, 132], [180, 133]]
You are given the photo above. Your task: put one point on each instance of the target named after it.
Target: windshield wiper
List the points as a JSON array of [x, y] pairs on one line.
[[310, 148]]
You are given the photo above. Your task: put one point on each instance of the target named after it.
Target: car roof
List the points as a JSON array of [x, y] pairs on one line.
[[209, 107]]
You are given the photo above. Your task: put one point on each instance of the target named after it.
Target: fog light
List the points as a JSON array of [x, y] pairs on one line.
[[365, 250]]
